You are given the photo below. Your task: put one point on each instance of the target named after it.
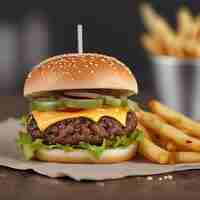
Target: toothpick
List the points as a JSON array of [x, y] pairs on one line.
[[80, 38]]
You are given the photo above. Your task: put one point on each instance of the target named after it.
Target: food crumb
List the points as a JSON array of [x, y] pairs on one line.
[[160, 178], [165, 177], [170, 177], [101, 184], [149, 178]]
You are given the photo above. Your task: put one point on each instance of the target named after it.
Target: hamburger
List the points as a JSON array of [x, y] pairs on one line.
[[80, 111]]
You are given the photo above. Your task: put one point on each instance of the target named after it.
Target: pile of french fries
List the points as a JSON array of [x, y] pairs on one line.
[[169, 137], [161, 39]]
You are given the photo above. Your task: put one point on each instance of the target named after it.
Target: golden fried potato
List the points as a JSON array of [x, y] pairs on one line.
[[177, 119], [153, 45], [169, 132], [185, 23], [150, 150], [153, 152], [186, 157]]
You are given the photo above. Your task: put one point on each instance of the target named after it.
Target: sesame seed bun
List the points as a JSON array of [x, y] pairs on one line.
[[83, 156], [80, 71]]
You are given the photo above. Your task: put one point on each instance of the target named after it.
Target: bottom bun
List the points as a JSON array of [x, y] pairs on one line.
[[83, 156]]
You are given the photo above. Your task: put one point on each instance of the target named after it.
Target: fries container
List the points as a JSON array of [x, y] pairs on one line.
[[177, 83], [196, 91]]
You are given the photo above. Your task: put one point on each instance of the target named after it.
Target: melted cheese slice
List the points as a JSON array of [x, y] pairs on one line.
[[45, 119]]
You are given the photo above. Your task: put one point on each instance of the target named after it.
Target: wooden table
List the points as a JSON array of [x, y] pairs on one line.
[[27, 185]]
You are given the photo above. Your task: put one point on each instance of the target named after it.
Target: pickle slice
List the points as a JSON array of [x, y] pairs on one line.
[[82, 103], [46, 105], [133, 106], [124, 102], [111, 101], [49, 105]]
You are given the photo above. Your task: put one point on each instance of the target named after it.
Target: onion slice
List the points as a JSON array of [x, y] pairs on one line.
[[89, 95]]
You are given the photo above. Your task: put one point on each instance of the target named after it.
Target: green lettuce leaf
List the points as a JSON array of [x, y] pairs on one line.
[[138, 136], [23, 120], [125, 140], [29, 147], [65, 148], [95, 150], [24, 138]]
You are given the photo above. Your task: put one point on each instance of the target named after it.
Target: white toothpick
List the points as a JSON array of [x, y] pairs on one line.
[[80, 38]]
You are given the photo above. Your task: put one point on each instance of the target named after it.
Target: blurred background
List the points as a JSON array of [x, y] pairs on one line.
[[31, 31]]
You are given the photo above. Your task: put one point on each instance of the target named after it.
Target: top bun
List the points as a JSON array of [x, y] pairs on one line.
[[80, 71]]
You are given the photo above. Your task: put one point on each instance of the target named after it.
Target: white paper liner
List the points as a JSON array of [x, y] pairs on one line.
[[11, 157]]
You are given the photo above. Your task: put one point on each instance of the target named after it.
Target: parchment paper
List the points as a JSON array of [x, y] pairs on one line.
[[11, 157]]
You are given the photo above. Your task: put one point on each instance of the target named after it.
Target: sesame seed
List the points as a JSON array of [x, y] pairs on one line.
[[103, 59], [70, 64], [29, 75], [90, 58], [92, 71], [149, 178]]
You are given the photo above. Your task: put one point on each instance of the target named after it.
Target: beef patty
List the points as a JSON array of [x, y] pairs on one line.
[[75, 130]]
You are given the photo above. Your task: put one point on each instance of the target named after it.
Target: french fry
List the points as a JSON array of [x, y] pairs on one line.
[[176, 50], [163, 40], [187, 30], [185, 23], [152, 44], [150, 150], [191, 48], [163, 142], [175, 118], [186, 157], [148, 134], [166, 144], [156, 24], [196, 33], [153, 152], [170, 146], [196, 29], [159, 28], [169, 132]]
